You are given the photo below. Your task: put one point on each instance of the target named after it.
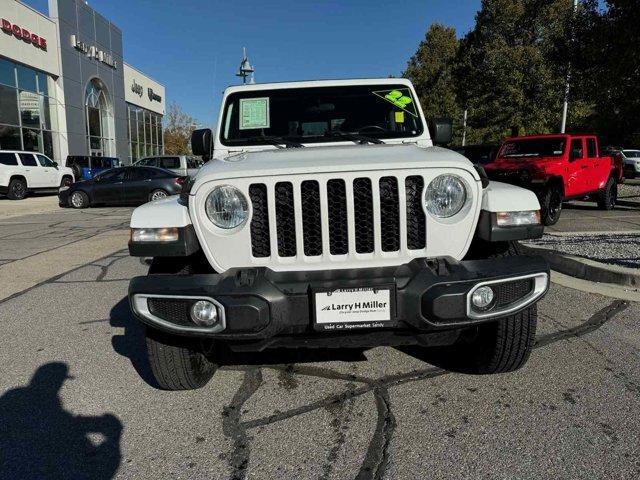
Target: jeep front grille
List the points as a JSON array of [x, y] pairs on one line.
[[340, 196], [340, 220]]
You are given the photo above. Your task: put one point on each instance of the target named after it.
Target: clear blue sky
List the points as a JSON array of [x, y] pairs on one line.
[[194, 47]]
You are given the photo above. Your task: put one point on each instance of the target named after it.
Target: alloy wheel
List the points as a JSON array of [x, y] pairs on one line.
[[76, 199], [158, 195]]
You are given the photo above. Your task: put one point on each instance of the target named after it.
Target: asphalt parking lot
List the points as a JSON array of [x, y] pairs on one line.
[[77, 399]]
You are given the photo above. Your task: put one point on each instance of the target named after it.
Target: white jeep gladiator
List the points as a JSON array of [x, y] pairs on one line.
[[327, 218]]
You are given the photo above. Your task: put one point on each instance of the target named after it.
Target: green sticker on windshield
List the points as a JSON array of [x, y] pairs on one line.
[[254, 113], [401, 98]]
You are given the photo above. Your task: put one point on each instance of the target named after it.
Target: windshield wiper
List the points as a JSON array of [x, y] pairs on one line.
[[355, 137], [279, 142]]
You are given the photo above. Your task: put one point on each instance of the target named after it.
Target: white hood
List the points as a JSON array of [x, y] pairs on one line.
[[348, 158]]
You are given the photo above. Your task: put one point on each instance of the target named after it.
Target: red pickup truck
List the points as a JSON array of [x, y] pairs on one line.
[[558, 168]]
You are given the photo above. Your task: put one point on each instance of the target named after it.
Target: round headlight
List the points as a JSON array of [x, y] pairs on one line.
[[446, 195], [227, 207]]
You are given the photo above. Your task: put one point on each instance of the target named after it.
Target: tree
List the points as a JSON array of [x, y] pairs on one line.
[[510, 71], [177, 132], [431, 70], [606, 59]]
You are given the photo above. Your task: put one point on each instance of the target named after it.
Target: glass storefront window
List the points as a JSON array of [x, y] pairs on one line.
[[8, 106], [93, 115], [43, 86], [95, 143], [145, 133], [48, 106], [31, 140], [134, 151], [99, 119], [28, 119], [29, 109], [10, 138], [7, 73], [133, 126], [26, 78], [47, 141]]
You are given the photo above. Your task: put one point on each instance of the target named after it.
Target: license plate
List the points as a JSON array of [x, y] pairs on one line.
[[347, 308]]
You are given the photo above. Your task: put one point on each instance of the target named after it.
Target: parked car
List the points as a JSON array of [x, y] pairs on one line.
[[480, 154], [122, 186], [558, 168], [351, 245], [631, 162], [86, 167], [180, 164], [23, 172], [616, 154]]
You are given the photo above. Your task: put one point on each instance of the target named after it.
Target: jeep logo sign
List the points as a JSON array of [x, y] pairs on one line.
[[137, 88], [23, 34]]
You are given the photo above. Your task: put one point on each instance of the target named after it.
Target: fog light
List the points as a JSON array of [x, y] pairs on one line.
[[482, 298], [204, 313]]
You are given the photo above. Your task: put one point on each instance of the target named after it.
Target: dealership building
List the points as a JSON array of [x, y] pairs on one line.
[[65, 89]]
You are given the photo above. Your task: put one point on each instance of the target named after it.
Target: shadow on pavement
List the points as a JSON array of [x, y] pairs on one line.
[[132, 343], [40, 439]]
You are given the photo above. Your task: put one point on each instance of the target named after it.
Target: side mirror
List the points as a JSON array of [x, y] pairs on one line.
[[441, 130], [201, 142], [55, 164]]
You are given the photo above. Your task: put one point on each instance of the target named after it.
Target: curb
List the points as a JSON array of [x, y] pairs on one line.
[[585, 268]]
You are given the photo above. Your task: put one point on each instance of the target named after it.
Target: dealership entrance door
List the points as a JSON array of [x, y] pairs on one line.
[[99, 118]]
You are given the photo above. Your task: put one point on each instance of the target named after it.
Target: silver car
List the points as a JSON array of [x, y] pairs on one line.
[[180, 164]]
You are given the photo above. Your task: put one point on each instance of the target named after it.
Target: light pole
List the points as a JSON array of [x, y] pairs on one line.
[[464, 128], [567, 87]]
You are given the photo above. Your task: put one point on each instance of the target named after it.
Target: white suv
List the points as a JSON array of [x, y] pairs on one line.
[[24, 172], [631, 162], [330, 220]]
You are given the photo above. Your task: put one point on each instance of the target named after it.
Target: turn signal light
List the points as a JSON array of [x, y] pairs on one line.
[[144, 235], [514, 219]]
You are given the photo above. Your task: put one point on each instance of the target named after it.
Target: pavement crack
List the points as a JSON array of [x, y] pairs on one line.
[[234, 429], [594, 322], [340, 426], [377, 457]]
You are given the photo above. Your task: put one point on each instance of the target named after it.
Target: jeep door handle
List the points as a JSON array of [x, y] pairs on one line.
[[584, 166]]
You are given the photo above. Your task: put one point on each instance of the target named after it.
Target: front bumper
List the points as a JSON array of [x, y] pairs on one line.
[[261, 308], [63, 197]]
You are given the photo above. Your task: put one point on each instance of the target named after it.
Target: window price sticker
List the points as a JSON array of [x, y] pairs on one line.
[[254, 113]]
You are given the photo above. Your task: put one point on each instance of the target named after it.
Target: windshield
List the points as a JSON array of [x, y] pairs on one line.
[[535, 147], [631, 153], [320, 114]]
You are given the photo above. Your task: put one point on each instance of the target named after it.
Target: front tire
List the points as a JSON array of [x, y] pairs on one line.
[[79, 199], [17, 189], [66, 182], [551, 203], [609, 195], [178, 363], [499, 347]]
